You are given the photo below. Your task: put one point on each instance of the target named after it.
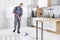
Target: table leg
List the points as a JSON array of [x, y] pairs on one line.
[[42, 31], [36, 30]]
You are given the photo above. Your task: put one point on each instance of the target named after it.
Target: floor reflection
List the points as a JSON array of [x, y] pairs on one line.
[[11, 37]]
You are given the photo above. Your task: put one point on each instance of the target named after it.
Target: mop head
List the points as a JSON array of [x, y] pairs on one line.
[[26, 34]]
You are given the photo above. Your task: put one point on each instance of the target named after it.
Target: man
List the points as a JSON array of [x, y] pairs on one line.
[[18, 11]]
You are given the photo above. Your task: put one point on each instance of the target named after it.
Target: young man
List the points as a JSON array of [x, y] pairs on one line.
[[18, 11]]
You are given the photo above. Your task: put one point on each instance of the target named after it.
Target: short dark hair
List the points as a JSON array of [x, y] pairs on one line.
[[21, 3]]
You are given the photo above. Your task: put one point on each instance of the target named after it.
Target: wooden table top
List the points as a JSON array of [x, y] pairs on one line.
[[49, 19]]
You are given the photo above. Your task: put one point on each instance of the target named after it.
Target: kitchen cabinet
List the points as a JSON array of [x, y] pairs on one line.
[[53, 2], [52, 25], [47, 3]]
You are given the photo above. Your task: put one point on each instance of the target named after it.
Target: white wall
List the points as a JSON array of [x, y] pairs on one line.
[[55, 10], [2, 13], [42, 3], [2, 8], [10, 4]]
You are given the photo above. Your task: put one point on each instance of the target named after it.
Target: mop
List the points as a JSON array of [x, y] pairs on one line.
[[27, 20]]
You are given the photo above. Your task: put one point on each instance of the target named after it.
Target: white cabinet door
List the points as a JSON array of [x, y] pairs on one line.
[[52, 26], [46, 25], [55, 2], [49, 25]]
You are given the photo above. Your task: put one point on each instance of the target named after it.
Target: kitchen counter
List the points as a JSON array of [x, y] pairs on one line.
[[51, 24]]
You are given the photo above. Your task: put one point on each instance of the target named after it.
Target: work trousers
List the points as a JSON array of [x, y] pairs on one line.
[[17, 21]]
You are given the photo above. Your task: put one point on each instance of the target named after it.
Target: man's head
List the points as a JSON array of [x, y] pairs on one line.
[[21, 4]]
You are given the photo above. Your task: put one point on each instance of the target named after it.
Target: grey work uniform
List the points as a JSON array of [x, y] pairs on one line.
[[18, 11]]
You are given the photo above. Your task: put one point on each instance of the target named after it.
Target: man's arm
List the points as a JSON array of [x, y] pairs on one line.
[[14, 12], [21, 15]]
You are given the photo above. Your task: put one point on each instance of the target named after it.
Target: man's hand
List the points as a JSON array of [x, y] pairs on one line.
[[19, 17], [16, 14]]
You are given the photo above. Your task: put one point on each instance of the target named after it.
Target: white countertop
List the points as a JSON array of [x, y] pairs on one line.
[[46, 19]]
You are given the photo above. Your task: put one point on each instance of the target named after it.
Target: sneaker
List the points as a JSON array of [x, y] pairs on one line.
[[18, 32], [14, 30]]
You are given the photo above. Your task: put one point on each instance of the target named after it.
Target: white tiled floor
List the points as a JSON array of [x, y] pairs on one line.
[[7, 34]]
